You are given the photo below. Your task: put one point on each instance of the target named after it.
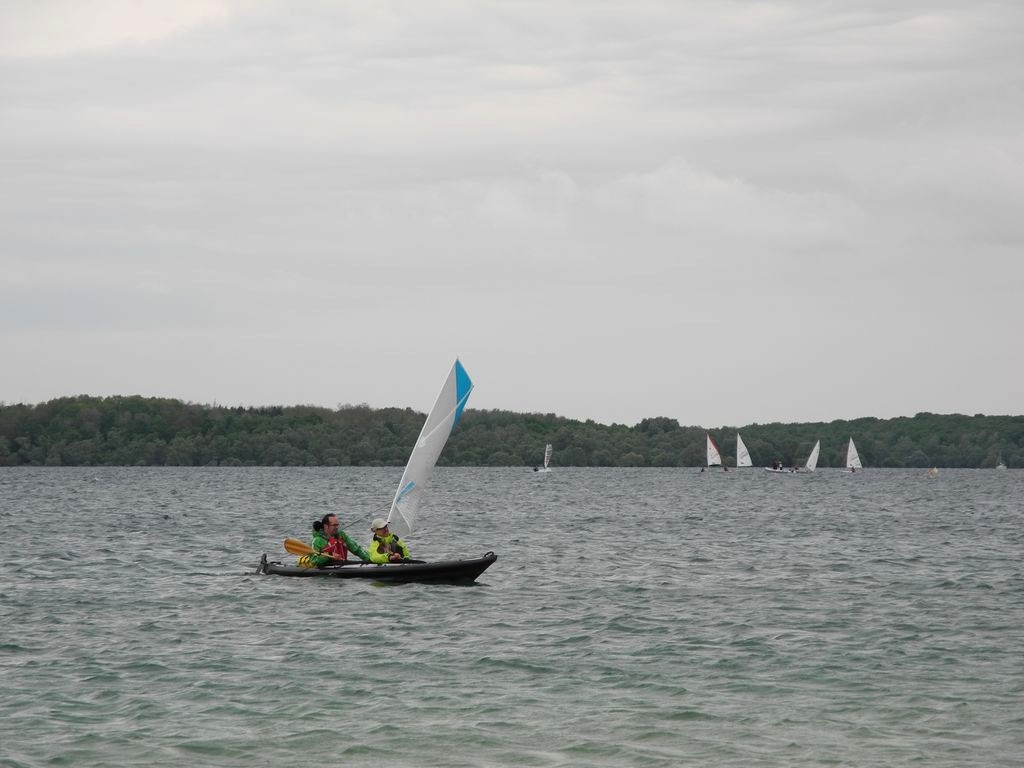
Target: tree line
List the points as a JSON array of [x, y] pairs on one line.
[[134, 430]]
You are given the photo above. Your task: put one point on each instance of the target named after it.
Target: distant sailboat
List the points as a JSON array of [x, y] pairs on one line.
[[812, 460], [933, 472], [1001, 464], [852, 457], [547, 460], [742, 454], [809, 466], [714, 456]]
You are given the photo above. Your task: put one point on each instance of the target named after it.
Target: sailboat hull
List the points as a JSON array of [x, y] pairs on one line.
[[438, 572]]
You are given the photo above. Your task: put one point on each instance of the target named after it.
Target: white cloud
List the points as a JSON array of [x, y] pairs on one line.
[[57, 28], [729, 212], [587, 189]]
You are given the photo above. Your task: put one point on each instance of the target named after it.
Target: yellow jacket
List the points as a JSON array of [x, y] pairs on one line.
[[382, 546]]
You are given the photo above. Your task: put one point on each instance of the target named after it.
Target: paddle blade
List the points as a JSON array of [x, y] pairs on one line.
[[296, 547]]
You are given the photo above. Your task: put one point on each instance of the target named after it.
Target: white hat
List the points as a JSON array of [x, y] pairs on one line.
[[378, 522]]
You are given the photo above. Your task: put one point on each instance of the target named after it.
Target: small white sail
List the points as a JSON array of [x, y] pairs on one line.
[[440, 422], [812, 460], [742, 454], [714, 457], [547, 455], [852, 457]]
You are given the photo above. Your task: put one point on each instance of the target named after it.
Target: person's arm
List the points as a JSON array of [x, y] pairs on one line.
[[319, 542], [354, 548], [404, 548]]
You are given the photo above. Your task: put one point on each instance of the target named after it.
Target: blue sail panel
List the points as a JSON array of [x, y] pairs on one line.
[[463, 386]]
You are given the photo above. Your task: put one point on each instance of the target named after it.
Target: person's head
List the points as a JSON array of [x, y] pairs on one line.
[[379, 526], [329, 523]]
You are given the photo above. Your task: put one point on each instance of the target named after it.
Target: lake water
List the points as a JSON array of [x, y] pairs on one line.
[[647, 617]]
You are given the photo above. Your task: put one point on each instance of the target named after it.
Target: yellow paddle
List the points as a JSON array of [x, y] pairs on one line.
[[296, 547]]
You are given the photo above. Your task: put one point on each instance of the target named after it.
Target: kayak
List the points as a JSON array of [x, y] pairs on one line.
[[440, 571]]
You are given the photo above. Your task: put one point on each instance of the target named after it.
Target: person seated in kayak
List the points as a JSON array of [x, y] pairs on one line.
[[386, 547], [332, 544]]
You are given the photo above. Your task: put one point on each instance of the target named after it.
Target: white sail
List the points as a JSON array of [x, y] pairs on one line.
[[852, 457], [547, 455], [742, 454], [812, 460], [714, 457], [440, 422]]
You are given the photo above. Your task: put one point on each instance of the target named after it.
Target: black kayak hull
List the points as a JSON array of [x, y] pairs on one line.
[[440, 572]]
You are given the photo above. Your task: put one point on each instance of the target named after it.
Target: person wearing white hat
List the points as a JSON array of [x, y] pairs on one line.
[[386, 547]]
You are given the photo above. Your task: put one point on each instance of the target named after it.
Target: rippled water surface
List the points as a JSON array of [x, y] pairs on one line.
[[633, 618]]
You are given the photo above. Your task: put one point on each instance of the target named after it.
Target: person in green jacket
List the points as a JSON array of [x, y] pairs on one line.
[[386, 547], [332, 544]]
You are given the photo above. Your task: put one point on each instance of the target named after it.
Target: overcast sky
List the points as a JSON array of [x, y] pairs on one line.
[[722, 212]]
